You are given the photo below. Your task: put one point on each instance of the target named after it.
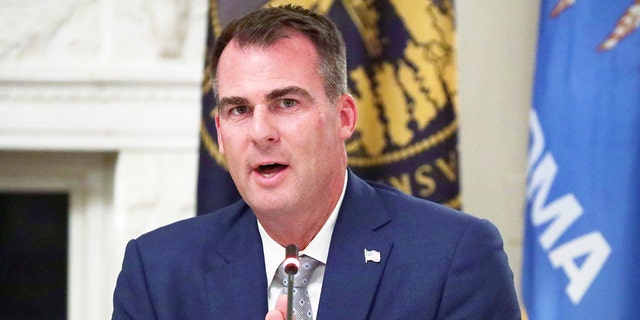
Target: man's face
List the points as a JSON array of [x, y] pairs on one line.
[[282, 139]]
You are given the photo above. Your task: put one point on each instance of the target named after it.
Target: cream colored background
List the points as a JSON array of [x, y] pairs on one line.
[[496, 50], [101, 98]]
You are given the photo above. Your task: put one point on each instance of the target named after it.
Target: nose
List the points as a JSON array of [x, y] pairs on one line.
[[263, 126]]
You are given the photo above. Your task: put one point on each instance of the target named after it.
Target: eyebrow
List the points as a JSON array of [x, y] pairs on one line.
[[282, 92], [233, 101]]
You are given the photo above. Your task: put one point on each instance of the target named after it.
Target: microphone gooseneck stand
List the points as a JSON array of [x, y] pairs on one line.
[[291, 265]]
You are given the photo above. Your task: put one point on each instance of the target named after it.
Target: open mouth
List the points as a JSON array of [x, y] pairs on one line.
[[269, 170]]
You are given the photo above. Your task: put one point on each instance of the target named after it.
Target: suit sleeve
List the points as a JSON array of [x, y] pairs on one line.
[[480, 283], [131, 299]]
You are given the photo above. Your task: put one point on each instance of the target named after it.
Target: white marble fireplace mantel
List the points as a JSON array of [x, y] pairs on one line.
[[101, 99]]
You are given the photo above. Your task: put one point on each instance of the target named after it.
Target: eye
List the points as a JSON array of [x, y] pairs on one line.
[[287, 103], [239, 110]]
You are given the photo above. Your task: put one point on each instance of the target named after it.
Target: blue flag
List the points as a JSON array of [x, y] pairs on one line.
[[402, 74], [582, 226]]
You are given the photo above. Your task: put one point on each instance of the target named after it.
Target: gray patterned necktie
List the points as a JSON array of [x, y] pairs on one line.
[[301, 302]]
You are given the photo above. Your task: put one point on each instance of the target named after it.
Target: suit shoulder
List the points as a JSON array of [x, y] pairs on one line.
[[403, 204], [424, 216], [196, 229]]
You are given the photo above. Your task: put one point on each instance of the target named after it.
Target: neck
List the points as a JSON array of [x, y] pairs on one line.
[[299, 226], [295, 231]]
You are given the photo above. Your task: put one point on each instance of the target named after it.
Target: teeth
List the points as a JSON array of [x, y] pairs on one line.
[[262, 168], [268, 170]]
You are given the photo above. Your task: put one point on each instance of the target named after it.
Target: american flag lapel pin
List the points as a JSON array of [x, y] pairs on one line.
[[371, 255]]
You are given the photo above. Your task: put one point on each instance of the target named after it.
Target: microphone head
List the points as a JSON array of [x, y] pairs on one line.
[[291, 263]]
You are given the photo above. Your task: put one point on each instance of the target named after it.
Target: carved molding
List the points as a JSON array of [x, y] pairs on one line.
[[111, 32], [100, 116], [164, 23], [97, 92], [39, 27]]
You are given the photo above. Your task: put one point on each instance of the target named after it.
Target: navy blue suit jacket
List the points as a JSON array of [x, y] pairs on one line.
[[436, 263]]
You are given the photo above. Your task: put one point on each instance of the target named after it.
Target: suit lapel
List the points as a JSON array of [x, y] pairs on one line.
[[236, 281], [350, 281]]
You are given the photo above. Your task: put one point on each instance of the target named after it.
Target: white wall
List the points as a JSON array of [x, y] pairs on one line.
[[113, 87], [496, 51]]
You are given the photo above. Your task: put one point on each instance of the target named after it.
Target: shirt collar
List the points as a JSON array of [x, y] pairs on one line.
[[318, 248]]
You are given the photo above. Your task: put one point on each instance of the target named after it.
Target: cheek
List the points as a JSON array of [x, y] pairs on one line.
[[322, 137], [228, 142]]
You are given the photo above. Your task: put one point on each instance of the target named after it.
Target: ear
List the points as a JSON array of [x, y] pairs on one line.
[[348, 115], [219, 132]]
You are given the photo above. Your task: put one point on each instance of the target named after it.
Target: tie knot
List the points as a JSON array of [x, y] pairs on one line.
[[301, 279]]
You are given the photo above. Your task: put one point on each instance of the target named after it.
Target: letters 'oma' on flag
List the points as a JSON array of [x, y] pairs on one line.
[[582, 225]]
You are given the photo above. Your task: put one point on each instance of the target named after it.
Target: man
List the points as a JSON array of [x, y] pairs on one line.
[[283, 117]]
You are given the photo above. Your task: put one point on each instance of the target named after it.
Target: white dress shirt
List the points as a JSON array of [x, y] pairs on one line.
[[318, 249]]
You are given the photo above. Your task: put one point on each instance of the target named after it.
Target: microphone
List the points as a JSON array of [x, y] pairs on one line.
[[291, 263], [291, 266]]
